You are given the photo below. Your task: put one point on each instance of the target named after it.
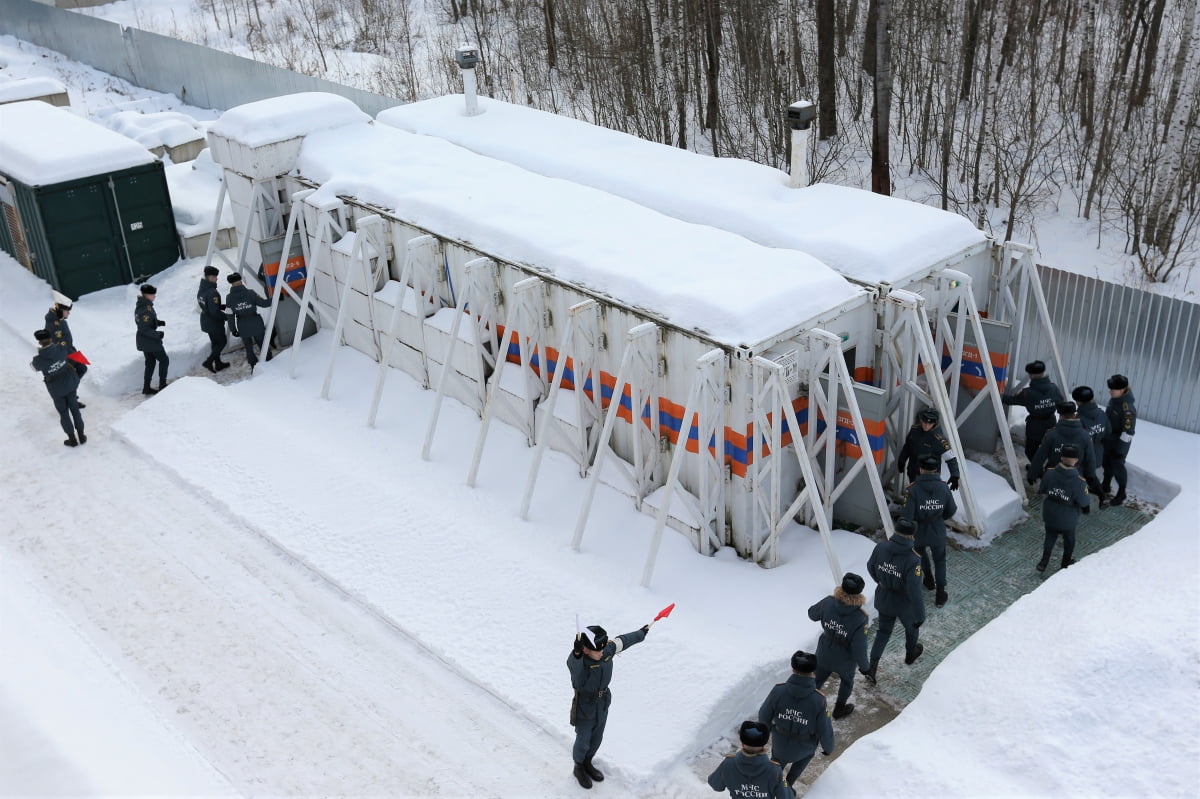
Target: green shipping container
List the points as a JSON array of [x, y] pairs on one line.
[[87, 232]]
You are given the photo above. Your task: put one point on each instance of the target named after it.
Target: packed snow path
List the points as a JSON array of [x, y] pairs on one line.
[[233, 643]]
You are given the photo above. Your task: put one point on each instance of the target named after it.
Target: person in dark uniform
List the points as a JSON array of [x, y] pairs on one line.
[[798, 717], [212, 319], [1066, 498], [61, 382], [929, 503], [924, 439], [245, 321], [750, 774], [1040, 398], [1094, 421], [150, 339], [842, 647], [896, 569], [1122, 424], [60, 330], [1069, 430], [591, 665]]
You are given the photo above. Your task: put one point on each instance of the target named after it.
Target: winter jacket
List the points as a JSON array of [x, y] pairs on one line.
[[929, 502], [590, 678], [750, 777], [149, 337], [1040, 398], [1122, 421], [1095, 422], [896, 568], [1067, 431], [243, 302], [1066, 496], [212, 317], [59, 328], [51, 361], [920, 444], [843, 642], [798, 716]]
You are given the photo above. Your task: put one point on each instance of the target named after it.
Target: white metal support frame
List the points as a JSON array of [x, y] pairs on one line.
[[416, 250], [524, 321], [264, 205], [1018, 270], [705, 402], [360, 255], [641, 348], [477, 297], [295, 227], [328, 227], [581, 317], [771, 407]]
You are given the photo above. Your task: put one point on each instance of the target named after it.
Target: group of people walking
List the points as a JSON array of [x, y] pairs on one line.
[[62, 365]]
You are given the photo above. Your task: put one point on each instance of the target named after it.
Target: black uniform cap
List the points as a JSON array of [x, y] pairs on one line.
[[1068, 451], [42, 335], [754, 733], [211, 271], [1118, 382], [905, 526], [930, 463], [599, 637], [1035, 368], [804, 662], [1066, 409], [853, 584], [234, 278], [929, 415], [1083, 394], [148, 289]]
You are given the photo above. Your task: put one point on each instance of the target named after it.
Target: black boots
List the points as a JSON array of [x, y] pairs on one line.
[[1119, 499], [928, 580], [840, 710], [210, 365], [913, 654], [872, 673], [942, 596], [71, 442], [219, 364], [147, 390], [82, 438], [581, 774], [596, 774], [1068, 562], [1042, 564]]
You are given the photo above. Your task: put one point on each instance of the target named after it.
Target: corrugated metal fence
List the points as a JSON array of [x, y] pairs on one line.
[[197, 75], [1103, 328]]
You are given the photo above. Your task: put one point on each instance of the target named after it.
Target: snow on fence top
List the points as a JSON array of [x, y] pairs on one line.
[[697, 277], [42, 145], [29, 88], [286, 117], [864, 236]]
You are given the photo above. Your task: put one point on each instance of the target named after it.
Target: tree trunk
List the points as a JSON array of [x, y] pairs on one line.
[[826, 79], [881, 179], [551, 43], [712, 69]]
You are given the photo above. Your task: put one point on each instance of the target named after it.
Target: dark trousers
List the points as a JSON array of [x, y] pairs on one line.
[[152, 358], [844, 688], [938, 567], [1036, 428], [797, 769], [251, 343], [68, 414], [1114, 466], [217, 341], [589, 733], [1052, 534], [884, 633]]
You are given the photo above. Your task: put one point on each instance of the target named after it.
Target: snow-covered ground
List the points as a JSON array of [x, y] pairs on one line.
[[238, 588]]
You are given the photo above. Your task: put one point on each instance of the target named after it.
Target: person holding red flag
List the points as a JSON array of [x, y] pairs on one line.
[[60, 330], [61, 382]]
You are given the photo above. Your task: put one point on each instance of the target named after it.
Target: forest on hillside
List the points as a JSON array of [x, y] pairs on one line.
[[995, 105]]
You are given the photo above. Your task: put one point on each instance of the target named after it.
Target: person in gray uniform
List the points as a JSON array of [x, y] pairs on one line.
[[749, 773], [925, 440], [842, 647], [212, 319], [245, 322], [896, 569], [591, 665], [61, 382], [798, 716], [1039, 398], [929, 502], [1069, 430], [1094, 421], [1122, 424], [1066, 498], [149, 339]]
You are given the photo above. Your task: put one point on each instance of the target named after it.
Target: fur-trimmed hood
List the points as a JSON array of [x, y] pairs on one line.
[[857, 600]]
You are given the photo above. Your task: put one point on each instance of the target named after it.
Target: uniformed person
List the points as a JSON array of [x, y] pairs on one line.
[[61, 382], [929, 503], [1066, 498], [750, 774], [842, 647], [1069, 430], [1040, 398], [1122, 424], [60, 330], [591, 665], [924, 440], [1094, 421], [150, 339], [798, 717], [896, 568], [244, 320], [212, 319]]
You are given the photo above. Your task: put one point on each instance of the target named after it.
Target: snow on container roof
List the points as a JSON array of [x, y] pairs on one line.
[[864, 236], [29, 88], [696, 277], [286, 117], [42, 145]]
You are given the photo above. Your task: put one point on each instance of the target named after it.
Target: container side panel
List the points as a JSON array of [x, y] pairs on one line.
[[81, 233]]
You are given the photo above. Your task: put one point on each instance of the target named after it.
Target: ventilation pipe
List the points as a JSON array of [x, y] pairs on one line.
[[467, 56], [800, 115]]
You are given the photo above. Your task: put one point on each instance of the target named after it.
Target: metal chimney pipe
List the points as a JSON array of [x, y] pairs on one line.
[[800, 115]]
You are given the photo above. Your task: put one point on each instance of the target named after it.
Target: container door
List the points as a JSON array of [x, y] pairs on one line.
[[143, 208], [82, 235], [12, 239]]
